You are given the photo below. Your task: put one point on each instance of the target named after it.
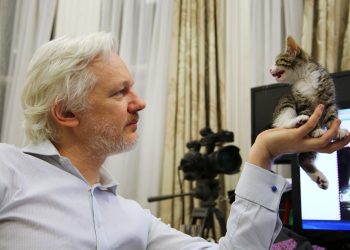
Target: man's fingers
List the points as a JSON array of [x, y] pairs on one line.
[[332, 132], [326, 139], [312, 122], [328, 143], [336, 145]]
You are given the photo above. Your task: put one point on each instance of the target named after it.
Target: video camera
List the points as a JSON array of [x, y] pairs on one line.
[[198, 166]]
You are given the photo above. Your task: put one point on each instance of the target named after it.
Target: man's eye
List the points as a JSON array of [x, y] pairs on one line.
[[121, 92], [118, 93]]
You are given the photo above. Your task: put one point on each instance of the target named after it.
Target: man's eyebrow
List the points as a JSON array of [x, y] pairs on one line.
[[128, 83], [124, 83]]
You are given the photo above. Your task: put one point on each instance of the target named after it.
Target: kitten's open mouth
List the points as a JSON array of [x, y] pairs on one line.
[[278, 74]]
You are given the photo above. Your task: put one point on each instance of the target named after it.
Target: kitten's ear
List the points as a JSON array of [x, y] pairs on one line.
[[292, 47]]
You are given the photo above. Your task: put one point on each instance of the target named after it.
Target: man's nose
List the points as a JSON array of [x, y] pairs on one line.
[[136, 104]]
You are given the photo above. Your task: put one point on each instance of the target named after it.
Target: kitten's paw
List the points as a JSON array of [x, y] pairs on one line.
[[322, 183], [317, 133], [301, 119], [342, 133], [295, 122], [320, 179]]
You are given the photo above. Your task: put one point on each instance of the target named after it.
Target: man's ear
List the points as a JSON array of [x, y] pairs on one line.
[[63, 116]]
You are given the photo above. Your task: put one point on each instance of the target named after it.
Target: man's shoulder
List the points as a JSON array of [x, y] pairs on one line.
[[4, 147], [9, 151], [130, 203], [11, 159]]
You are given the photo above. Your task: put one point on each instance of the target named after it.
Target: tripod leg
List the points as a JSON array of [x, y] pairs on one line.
[[206, 215], [202, 215], [221, 219], [209, 225]]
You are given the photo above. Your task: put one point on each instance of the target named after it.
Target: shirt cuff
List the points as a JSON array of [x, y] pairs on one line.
[[261, 186]]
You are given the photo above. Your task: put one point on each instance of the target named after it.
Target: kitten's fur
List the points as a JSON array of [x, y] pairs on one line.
[[311, 85]]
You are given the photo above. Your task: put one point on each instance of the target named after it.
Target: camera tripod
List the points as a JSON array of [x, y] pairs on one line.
[[205, 214], [207, 191]]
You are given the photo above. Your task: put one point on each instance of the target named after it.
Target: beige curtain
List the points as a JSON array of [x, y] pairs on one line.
[[326, 33], [195, 80]]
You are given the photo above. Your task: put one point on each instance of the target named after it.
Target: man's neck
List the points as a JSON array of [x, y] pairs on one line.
[[88, 163]]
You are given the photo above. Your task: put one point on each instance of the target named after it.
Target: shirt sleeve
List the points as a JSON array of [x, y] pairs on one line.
[[6, 176], [253, 222], [162, 236]]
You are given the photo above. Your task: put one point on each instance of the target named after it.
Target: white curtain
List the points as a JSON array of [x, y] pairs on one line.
[[238, 75], [155, 89], [76, 17], [272, 21], [32, 27], [255, 34], [143, 29], [7, 10]]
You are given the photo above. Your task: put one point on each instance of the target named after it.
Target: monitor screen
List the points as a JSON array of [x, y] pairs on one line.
[[328, 209], [322, 215]]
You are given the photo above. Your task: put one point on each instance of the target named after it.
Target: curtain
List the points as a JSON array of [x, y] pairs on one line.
[[195, 96], [255, 34], [238, 76], [155, 93], [76, 17], [7, 13], [143, 30], [326, 33], [345, 61], [32, 27], [272, 21]]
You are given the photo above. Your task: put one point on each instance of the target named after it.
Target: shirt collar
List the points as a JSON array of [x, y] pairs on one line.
[[46, 148], [108, 182], [42, 148]]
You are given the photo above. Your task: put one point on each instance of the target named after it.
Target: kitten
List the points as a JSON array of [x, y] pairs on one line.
[[311, 85]]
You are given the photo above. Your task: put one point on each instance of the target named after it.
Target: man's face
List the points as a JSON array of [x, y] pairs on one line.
[[110, 121]]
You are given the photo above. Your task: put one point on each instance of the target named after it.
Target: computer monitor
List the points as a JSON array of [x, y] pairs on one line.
[[320, 215], [263, 102]]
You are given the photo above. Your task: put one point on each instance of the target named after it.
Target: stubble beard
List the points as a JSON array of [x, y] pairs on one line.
[[110, 140]]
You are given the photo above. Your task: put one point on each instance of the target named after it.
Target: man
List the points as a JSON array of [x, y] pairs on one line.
[[80, 107]]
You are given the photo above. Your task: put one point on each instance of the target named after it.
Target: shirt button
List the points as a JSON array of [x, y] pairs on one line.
[[274, 188]]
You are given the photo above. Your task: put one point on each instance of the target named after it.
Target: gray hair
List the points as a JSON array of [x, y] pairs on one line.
[[59, 72]]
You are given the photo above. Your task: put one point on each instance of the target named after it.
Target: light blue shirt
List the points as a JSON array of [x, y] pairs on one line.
[[45, 203]]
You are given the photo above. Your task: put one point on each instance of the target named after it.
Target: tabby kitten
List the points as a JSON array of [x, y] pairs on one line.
[[311, 85]]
